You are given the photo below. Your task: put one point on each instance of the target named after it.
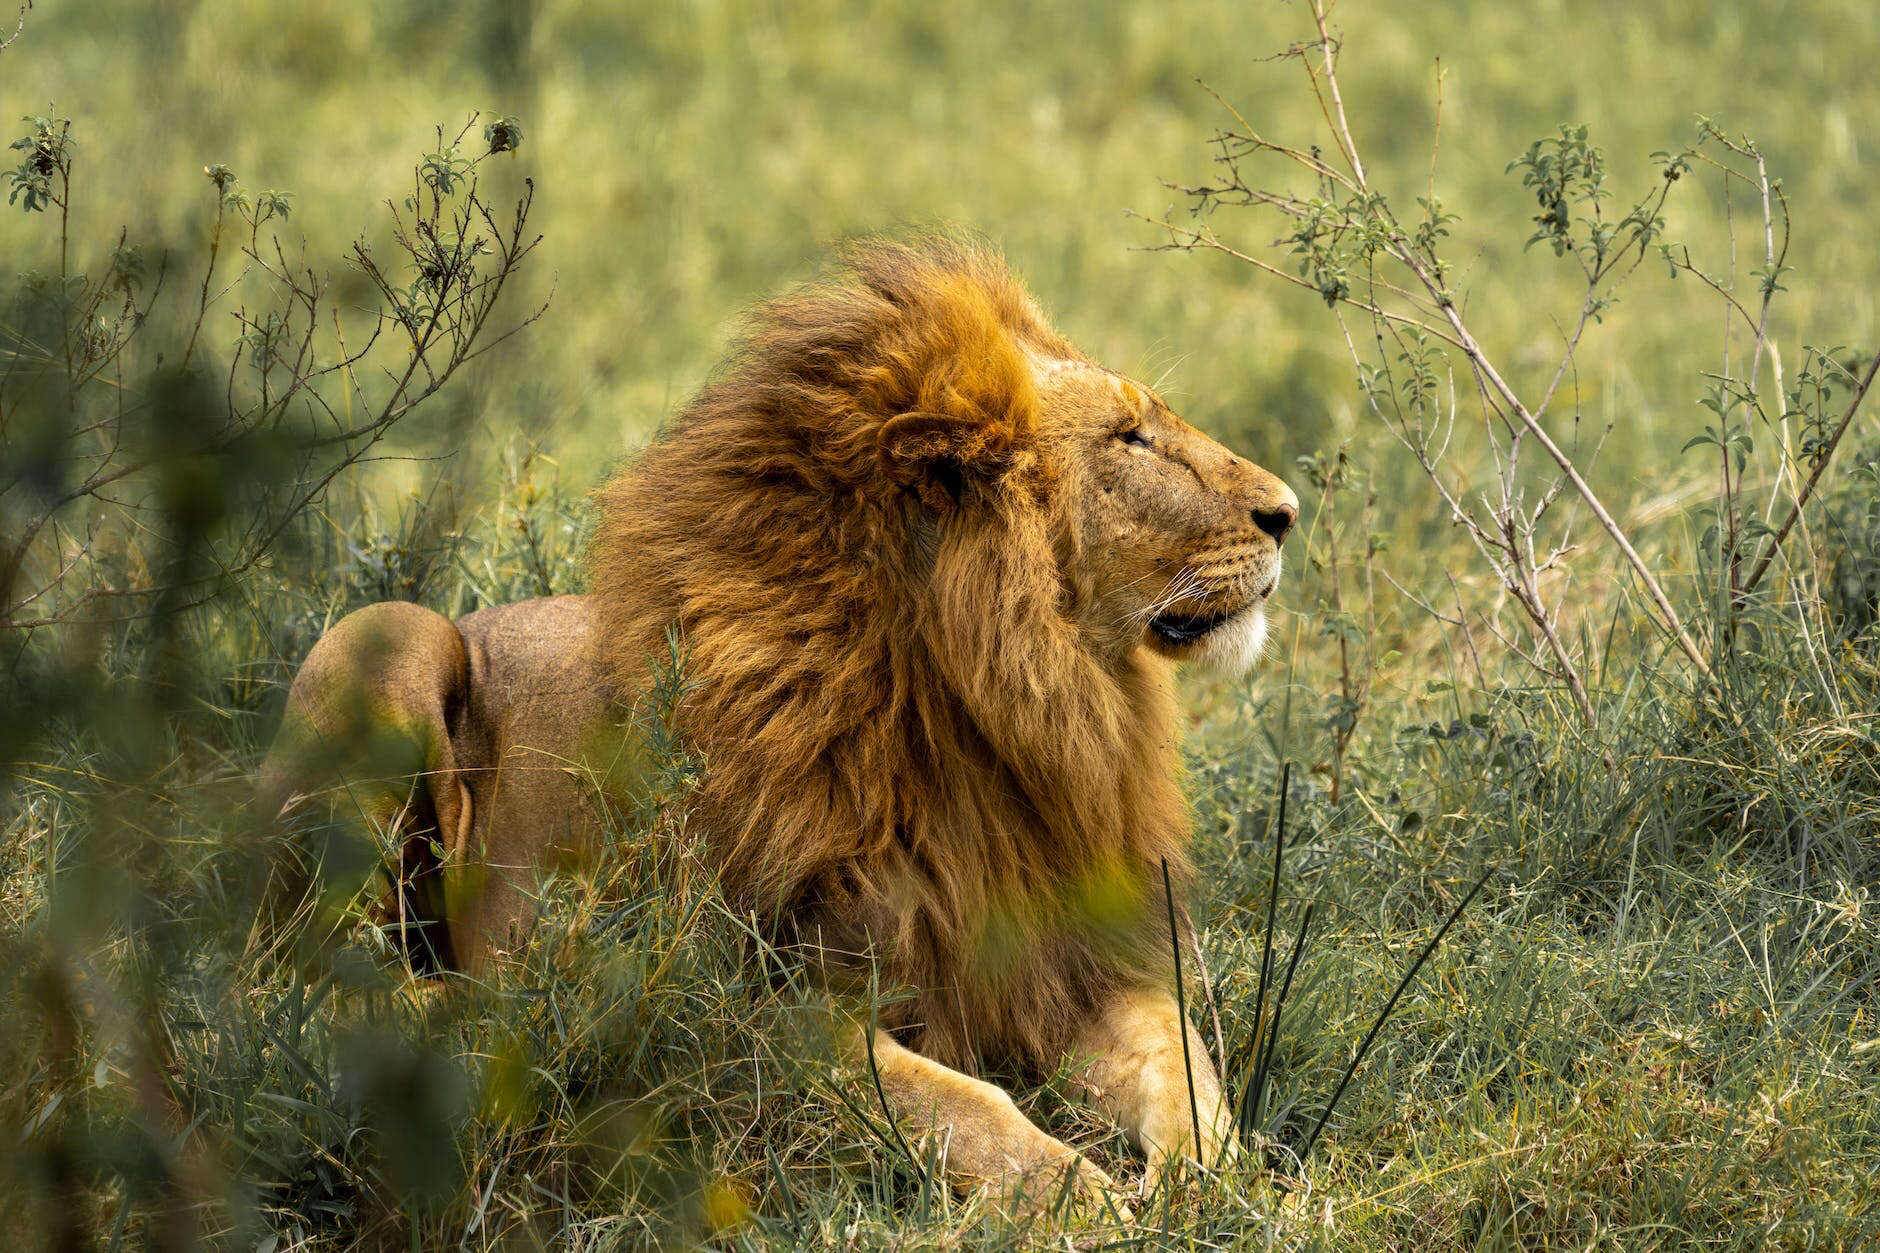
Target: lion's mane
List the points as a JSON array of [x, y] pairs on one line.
[[909, 754]]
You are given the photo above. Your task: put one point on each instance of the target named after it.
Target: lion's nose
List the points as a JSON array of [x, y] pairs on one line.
[[1277, 521]]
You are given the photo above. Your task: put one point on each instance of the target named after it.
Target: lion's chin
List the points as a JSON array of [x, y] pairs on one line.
[[1230, 644], [1237, 645]]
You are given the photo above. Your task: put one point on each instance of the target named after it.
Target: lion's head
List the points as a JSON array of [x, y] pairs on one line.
[[930, 564], [1177, 540]]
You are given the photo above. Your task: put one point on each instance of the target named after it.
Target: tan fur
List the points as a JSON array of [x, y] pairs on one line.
[[981, 1140], [1133, 1069], [501, 715], [930, 567]]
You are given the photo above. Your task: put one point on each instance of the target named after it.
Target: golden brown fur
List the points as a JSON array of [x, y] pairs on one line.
[[930, 567], [903, 733]]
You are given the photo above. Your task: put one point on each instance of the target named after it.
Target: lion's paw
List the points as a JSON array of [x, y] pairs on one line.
[[1067, 1189]]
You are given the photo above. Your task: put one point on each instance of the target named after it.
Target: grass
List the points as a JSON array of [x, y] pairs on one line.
[[1657, 1025]]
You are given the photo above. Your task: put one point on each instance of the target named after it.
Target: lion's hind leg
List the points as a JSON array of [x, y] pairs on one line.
[[981, 1140], [366, 737]]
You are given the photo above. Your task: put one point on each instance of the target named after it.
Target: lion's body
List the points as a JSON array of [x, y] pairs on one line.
[[930, 568], [508, 708], [906, 742]]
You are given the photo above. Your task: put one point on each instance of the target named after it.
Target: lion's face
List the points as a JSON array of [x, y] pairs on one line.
[[1170, 541]]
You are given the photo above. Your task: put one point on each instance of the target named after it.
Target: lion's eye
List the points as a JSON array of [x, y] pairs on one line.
[[1135, 436]]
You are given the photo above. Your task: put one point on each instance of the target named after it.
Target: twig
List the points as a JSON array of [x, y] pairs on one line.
[[1420, 603], [464, 255], [1207, 993], [1479, 360], [1396, 244], [1207, 239], [1814, 477], [19, 27], [1328, 48]]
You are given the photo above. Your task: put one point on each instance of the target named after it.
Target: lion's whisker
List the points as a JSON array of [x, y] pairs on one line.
[[1184, 583]]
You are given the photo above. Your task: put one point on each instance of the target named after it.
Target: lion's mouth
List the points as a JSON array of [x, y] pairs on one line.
[[1182, 628]]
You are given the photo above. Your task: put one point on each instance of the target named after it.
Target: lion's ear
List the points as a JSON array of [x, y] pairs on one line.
[[937, 454]]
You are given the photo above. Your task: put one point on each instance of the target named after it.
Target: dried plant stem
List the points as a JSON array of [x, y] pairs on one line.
[[1479, 360], [1814, 477], [1435, 313], [19, 27], [1213, 1001], [1426, 313]]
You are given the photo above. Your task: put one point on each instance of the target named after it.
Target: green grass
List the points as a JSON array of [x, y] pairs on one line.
[[694, 157], [1657, 1027]]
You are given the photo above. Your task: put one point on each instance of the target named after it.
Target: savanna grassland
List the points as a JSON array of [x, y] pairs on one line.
[[1654, 1026]]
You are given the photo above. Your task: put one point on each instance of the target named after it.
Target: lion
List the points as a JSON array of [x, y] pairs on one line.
[[931, 568]]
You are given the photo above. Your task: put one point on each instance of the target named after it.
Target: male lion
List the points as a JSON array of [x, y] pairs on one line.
[[931, 567]]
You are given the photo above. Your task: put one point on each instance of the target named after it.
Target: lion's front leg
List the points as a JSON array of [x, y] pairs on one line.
[[985, 1144], [1130, 1066]]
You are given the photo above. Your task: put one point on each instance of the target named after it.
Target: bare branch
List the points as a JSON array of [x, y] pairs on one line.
[[462, 258], [1345, 233], [1479, 359], [1814, 477], [1187, 239], [1420, 603], [19, 27]]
